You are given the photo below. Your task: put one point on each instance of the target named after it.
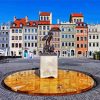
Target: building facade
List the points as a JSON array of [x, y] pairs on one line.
[[45, 19], [30, 39], [93, 39], [4, 39], [16, 36], [68, 40]]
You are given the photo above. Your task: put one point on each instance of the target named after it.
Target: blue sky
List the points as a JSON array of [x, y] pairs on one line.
[[60, 9]]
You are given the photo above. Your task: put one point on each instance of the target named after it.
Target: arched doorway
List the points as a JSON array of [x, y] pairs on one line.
[[72, 52], [25, 53]]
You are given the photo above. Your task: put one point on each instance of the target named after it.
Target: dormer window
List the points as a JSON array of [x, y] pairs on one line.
[[21, 25], [14, 25], [28, 24], [34, 23]]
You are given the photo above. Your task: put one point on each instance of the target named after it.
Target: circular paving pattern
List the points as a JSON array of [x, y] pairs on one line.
[[68, 82]]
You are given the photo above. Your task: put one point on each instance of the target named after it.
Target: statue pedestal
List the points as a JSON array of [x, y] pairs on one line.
[[48, 66]]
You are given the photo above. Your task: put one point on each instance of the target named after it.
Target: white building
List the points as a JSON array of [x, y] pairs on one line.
[[16, 36], [30, 39], [93, 39]]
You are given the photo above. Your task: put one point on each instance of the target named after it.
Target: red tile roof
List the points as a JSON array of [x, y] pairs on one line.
[[44, 14], [32, 23], [77, 15], [44, 22], [17, 22], [55, 29]]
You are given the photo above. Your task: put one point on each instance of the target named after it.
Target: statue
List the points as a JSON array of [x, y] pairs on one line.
[[48, 48]]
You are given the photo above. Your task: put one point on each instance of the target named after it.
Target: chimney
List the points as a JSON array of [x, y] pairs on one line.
[[14, 18], [26, 18], [58, 21]]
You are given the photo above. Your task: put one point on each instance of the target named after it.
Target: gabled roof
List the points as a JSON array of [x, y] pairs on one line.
[[17, 23], [32, 23], [44, 14], [76, 15]]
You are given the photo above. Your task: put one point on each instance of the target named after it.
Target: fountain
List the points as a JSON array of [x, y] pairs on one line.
[[50, 80]]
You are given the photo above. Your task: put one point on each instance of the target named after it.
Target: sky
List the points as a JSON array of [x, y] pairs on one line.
[[61, 9]]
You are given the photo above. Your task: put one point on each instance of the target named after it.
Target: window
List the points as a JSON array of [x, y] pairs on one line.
[[29, 37], [90, 44], [81, 45], [2, 45], [97, 44], [85, 45], [28, 44], [47, 27], [6, 45], [43, 33], [3, 28], [12, 37], [62, 29], [93, 44], [25, 44], [81, 31], [29, 30], [97, 37], [32, 30], [25, 30], [32, 37], [77, 45], [69, 44], [81, 38], [66, 43], [35, 30], [20, 45], [16, 38], [6, 33], [62, 43], [72, 44], [35, 44], [77, 31], [12, 30], [66, 36], [69, 29], [20, 31], [44, 27], [72, 36], [89, 36], [16, 45], [25, 37], [62, 36], [47, 18], [77, 38], [32, 45], [85, 38], [20, 37], [21, 25], [93, 36], [12, 45], [40, 27], [16, 30], [35, 37], [69, 36]]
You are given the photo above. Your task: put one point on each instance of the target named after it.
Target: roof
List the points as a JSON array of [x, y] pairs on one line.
[[32, 23], [55, 29], [17, 23], [44, 14], [44, 22], [76, 15]]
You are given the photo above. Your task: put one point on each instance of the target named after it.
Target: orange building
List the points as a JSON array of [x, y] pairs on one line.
[[81, 39], [81, 34]]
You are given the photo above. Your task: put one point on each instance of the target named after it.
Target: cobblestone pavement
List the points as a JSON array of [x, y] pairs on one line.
[[88, 66]]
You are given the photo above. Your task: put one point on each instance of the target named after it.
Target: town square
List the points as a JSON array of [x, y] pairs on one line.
[[49, 50]]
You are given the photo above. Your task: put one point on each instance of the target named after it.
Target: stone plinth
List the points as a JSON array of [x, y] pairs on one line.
[[48, 66]]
